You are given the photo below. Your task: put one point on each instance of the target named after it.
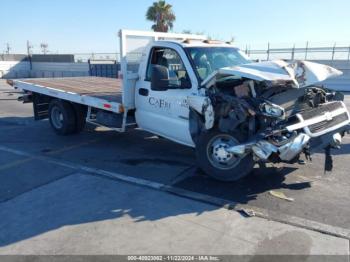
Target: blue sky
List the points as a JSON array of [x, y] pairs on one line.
[[87, 25]]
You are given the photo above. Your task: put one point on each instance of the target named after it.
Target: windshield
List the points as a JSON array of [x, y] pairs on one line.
[[208, 59]]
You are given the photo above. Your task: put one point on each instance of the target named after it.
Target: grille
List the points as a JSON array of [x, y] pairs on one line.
[[324, 125], [329, 107], [339, 117]]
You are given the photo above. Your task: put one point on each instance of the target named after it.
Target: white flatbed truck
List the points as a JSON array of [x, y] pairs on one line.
[[204, 94]]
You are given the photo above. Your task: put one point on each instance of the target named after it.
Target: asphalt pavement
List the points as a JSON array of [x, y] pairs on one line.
[[39, 167]]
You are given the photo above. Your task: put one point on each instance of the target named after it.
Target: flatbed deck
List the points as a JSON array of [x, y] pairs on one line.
[[99, 92]]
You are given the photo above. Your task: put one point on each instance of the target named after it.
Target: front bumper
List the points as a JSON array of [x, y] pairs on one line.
[[265, 151], [316, 129]]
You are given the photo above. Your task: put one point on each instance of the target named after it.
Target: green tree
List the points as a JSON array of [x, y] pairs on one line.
[[162, 15]]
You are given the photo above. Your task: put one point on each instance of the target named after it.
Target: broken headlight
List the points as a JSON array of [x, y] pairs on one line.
[[272, 110]]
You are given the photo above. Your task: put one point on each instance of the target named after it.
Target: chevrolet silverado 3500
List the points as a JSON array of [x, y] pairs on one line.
[[204, 94]]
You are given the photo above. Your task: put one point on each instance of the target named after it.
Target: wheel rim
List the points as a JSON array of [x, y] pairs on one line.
[[57, 117], [217, 154]]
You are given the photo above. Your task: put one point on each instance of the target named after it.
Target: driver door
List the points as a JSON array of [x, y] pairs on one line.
[[165, 112]]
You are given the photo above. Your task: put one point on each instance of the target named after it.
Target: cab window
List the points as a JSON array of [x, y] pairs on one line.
[[171, 60]]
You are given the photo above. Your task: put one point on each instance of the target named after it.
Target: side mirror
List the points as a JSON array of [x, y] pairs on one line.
[[159, 78]]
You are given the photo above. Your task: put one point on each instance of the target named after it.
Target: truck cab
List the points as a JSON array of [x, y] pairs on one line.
[[162, 104]]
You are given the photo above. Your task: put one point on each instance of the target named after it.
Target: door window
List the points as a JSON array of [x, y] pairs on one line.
[[171, 60]]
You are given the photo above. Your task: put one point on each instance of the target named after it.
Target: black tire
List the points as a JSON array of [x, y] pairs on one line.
[[62, 117], [227, 168], [80, 116]]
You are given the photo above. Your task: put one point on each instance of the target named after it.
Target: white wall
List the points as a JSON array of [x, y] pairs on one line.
[[15, 69], [46, 69]]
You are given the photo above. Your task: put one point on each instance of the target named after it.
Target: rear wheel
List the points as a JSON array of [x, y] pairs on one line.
[[215, 161], [62, 117]]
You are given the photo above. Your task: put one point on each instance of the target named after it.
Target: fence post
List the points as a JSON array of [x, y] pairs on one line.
[[307, 46], [333, 51], [293, 50], [268, 51]]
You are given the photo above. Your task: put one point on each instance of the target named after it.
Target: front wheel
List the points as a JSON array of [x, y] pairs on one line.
[[215, 161]]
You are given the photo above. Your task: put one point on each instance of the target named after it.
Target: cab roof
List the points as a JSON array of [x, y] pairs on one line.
[[197, 43]]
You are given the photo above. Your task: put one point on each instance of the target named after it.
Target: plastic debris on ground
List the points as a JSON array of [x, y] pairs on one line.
[[281, 195]]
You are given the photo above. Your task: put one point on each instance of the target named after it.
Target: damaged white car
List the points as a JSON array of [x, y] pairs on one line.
[[262, 112]]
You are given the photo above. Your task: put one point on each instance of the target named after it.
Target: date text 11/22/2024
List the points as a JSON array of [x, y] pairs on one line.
[[173, 258]]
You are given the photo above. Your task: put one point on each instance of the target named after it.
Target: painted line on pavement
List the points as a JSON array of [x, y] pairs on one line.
[[230, 205], [63, 163], [54, 152]]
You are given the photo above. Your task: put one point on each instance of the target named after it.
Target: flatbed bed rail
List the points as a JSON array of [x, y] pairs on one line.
[[98, 92]]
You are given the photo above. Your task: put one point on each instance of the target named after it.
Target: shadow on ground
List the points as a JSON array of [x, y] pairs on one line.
[[75, 199], [261, 180]]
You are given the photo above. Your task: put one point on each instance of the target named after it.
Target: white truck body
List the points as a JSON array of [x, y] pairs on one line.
[[192, 108]]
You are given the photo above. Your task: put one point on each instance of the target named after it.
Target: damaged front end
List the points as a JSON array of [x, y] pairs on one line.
[[275, 108]]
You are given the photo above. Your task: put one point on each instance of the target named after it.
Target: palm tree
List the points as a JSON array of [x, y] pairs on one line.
[[162, 15]]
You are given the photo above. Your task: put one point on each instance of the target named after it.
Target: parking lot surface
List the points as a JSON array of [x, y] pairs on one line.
[[33, 157]]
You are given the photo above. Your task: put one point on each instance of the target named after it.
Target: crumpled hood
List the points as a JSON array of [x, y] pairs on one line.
[[302, 73]]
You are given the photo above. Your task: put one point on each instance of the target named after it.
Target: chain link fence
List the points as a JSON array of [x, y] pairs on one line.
[[304, 51]]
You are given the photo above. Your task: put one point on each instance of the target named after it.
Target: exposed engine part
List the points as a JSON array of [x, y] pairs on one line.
[[252, 88], [242, 90], [272, 110]]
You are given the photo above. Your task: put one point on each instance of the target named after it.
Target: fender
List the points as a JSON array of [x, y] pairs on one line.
[[204, 107], [196, 125]]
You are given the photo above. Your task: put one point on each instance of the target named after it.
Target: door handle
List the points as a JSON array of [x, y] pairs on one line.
[[143, 92]]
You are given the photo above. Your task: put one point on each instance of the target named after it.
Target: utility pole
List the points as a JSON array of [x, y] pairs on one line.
[[29, 53], [29, 48], [8, 48]]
